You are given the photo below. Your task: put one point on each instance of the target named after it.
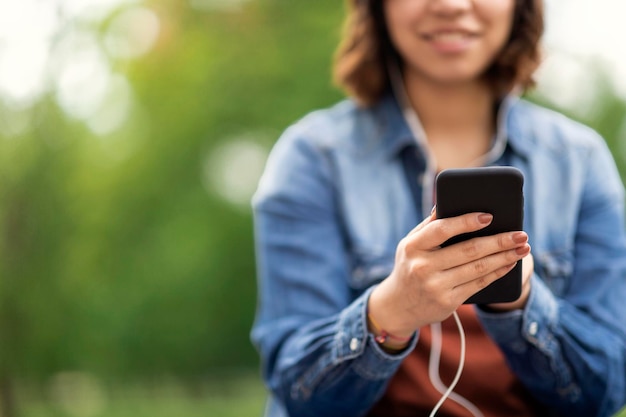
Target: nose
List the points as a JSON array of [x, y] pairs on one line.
[[450, 7]]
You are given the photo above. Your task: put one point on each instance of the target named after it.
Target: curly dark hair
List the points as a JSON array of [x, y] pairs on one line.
[[360, 66]]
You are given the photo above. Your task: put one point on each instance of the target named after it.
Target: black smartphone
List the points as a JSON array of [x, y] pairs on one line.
[[494, 190]]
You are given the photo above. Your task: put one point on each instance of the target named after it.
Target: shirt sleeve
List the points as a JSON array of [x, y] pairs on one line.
[[570, 349], [317, 355]]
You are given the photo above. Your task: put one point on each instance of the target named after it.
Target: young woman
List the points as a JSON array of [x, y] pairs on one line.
[[356, 292]]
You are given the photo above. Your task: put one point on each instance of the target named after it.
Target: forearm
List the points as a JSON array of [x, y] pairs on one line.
[[567, 360]]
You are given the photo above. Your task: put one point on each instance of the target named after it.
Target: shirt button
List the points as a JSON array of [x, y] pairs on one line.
[[354, 344], [532, 329]]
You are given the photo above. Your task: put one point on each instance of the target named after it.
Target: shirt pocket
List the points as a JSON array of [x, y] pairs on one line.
[[555, 268], [370, 267]]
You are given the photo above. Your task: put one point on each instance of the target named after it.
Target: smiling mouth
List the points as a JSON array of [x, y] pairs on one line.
[[448, 36]]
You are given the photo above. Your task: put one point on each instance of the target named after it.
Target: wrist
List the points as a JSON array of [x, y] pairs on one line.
[[384, 307], [385, 323], [388, 341]]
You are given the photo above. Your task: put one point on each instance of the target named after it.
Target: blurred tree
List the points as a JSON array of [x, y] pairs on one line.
[[120, 256], [122, 252], [186, 274]]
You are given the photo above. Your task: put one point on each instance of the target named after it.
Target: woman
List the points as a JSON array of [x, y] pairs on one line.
[[356, 300]]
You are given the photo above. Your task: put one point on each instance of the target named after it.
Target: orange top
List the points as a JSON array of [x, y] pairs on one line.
[[486, 380]]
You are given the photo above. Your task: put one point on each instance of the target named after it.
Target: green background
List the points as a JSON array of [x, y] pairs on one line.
[[127, 283]]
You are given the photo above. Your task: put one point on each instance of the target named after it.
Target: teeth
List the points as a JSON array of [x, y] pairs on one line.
[[449, 37]]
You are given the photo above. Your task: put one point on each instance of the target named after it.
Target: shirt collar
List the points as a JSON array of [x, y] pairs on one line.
[[397, 134], [517, 126]]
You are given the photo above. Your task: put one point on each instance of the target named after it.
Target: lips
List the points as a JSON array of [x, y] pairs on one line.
[[450, 41], [449, 35]]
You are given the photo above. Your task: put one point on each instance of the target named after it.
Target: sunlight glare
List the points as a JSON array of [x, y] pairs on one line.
[[90, 10], [45, 46], [114, 108], [133, 33], [26, 28], [555, 78], [592, 33], [233, 169], [83, 77]]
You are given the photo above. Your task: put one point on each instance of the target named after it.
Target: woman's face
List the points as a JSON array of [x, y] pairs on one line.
[[448, 41]]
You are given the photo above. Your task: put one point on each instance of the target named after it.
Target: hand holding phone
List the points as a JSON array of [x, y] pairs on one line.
[[494, 190]]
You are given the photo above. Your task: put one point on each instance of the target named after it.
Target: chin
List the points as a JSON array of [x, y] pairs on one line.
[[456, 79], [450, 73]]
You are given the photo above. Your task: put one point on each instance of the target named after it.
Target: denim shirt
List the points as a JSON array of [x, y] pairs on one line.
[[331, 207]]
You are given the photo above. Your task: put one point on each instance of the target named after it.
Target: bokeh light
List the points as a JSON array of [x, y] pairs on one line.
[[574, 38], [233, 169], [51, 46], [132, 33]]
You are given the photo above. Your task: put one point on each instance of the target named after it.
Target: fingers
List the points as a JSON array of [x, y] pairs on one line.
[[456, 272], [464, 291], [473, 249], [437, 231], [528, 267], [520, 303], [476, 275], [485, 266]]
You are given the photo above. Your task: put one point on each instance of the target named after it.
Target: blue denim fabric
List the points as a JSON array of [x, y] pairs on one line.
[[333, 204]]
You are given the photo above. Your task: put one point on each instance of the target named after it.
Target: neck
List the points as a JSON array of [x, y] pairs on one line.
[[447, 110], [458, 120]]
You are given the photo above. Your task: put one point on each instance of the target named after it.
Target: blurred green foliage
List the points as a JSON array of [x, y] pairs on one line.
[[231, 396], [118, 257]]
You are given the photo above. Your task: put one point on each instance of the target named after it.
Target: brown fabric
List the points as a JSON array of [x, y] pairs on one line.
[[486, 380]]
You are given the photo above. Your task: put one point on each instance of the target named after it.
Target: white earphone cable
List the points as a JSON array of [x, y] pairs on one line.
[[433, 370], [427, 202]]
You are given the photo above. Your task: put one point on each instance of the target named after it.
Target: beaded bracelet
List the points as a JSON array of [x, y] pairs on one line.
[[381, 336]]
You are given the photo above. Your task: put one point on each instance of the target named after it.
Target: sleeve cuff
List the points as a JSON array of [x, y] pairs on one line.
[[353, 341], [513, 330]]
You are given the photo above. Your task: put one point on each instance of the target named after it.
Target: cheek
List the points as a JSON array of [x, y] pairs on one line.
[[500, 18], [402, 14], [500, 14], [394, 26], [393, 17], [401, 18]]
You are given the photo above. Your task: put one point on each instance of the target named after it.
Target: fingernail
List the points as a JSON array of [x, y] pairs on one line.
[[485, 218], [522, 250], [519, 237]]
